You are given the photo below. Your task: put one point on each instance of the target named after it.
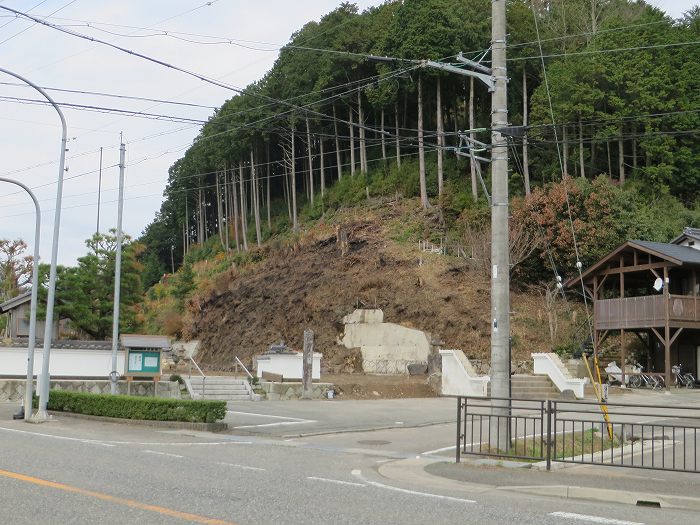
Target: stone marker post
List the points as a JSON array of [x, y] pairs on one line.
[[306, 377]]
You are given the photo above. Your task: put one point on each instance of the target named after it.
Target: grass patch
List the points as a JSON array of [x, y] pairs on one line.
[[133, 407]]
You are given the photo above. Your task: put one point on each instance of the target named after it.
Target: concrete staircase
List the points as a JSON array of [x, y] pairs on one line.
[[533, 387], [223, 388]]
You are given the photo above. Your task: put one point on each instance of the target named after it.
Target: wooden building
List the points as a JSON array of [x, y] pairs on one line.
[[17, 310], [649, 290]]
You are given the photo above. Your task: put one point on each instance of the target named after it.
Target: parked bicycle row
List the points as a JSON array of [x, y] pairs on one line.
[[637, 377]]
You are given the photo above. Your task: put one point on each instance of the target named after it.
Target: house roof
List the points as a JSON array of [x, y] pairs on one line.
[[145, 341], [688, 233], [15, 302], [673, 253]]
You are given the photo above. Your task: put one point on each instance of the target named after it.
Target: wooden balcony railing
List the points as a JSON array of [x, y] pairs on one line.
[[645, 311]]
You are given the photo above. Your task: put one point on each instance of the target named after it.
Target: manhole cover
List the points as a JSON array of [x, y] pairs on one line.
[[373, 442]]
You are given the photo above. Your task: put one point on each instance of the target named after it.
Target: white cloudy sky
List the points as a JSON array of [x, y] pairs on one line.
[[30, 134]]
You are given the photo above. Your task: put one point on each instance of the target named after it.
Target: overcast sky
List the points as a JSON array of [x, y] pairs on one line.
[[30, 134]]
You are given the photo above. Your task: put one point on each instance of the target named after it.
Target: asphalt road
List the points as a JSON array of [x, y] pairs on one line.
[[76, 471]]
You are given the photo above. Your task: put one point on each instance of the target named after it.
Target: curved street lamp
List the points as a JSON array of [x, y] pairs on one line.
[[32, 312], [41, 415]]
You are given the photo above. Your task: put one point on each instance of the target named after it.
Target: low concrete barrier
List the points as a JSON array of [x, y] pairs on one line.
[[13, 389]]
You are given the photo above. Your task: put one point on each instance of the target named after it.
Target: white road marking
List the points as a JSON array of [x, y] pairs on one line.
[[266, 415], [278, 424], [336, 481], [593, 519], [163, 454], [443, 449], [358, 474], [110, 443], [242, 467]]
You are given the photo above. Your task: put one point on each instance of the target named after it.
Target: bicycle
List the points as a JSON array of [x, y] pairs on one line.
[[647, 380], [687, 380]]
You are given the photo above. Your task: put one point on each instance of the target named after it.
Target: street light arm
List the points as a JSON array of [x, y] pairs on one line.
[[486, 79], [28, 394], [48, 329]]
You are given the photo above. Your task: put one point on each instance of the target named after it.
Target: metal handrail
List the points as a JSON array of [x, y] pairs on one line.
[[204, 377], [244, 368]]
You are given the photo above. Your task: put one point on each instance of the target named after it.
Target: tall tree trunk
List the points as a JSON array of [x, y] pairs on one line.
[[580, 147], [269, 162], [421, 149], [227, 212], [634, 152], [256, 198], [311, 162], [383, 138], [323, 168], [244, 222], [352, 140], [607, 144], [219, 214], [234, 201], [621, 155], [440, 136], [361, 122], [398, 134], [338, 156], [565, 149], [293, 186], [287, 196], [187, 227], [472, 135], [526, 159]]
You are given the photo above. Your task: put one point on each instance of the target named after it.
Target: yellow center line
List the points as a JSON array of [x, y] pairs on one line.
[[194, 518]]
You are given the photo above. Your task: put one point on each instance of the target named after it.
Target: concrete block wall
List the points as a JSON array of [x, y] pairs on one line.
[[13, 389], [287, 391]]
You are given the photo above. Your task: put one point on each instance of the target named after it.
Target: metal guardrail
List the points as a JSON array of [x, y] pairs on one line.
[[475, 420], [638, 435]]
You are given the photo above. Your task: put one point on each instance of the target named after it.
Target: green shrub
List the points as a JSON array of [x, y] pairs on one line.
[[132, 407]]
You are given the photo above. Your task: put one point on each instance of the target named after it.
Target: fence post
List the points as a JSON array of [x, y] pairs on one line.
[[459, 426], [549, 434]]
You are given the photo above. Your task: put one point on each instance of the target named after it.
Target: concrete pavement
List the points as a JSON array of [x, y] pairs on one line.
[[78, 471]]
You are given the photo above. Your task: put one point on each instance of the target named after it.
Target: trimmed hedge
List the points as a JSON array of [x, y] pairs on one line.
[[132, 407]]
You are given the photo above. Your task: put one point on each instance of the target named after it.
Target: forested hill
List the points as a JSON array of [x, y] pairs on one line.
[[624, 85]]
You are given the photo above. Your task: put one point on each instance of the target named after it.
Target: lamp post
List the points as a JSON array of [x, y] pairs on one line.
[[28, 391], [48, 329]]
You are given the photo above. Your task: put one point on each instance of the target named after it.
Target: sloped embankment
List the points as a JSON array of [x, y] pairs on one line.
[[316, 284]]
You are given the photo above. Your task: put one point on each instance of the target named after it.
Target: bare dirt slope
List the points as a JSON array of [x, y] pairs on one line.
[[314, 283]]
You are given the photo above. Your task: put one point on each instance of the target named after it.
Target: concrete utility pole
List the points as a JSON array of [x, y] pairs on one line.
[[117, 272], [500, 271]]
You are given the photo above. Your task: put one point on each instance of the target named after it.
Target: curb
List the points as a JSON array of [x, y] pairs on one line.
[[413, 471], [664, 501], [182, 425]]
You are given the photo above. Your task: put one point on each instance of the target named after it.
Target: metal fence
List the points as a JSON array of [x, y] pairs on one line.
[[634, 435]]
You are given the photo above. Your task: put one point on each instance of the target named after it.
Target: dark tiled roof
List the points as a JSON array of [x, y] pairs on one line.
[[63, 344], [692, 233], [684, 254], [15, 301]]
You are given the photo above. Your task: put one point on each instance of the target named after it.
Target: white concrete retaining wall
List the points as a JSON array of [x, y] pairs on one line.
[[387, 347], [288, 365], [550, 364], [63, 362], [459, 377]]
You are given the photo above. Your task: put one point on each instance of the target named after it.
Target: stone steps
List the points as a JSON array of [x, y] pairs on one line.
[[222, 388]]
